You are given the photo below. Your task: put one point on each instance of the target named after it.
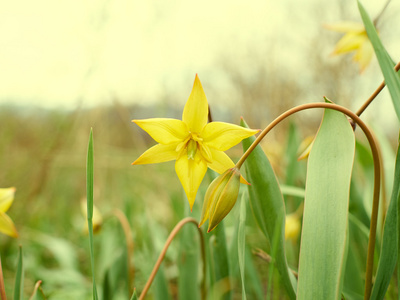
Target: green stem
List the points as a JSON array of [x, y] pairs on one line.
[[172, 235], [377, 173]]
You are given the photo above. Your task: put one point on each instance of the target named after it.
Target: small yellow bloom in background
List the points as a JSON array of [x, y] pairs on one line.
[[220, 197], [6, 224], [355, 39], [97, 220], [292, 226], [195, 144], [305, 147]]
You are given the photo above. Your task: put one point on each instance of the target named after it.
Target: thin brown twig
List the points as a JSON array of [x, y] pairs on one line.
[[172, 235], [374, 94], [377, 173]]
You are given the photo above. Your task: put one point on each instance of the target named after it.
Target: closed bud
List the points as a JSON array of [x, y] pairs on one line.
[[220, 197]]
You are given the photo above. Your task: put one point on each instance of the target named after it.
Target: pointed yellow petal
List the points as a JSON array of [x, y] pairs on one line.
[[190, 173], [195, 113], [345, 27], [223, 136], [6, 198], [221, 162], [349, 42], [7, 225], [163, 130], [157, 154], [364, 55]]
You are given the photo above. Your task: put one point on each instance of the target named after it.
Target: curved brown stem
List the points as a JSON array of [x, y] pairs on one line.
[[172, 235], [377, 173]]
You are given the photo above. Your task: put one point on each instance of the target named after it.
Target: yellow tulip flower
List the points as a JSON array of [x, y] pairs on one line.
[[355, 39], [6, 224], [195, 144]]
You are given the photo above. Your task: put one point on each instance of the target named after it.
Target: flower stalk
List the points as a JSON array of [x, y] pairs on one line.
[[172, 235]]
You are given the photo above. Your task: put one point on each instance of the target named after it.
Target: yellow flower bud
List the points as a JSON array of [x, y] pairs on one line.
[[220, 197]]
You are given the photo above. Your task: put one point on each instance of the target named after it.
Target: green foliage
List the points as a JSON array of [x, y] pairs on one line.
[[392, 79], [324, 234], [391, 235], [89, 195], [267, 204]]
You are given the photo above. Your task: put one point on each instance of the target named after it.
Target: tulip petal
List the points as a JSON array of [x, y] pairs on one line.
[[221, 161], [195, 113], [164, 130], [7, 225], [364, 55], [157, 154], [345, 27], [190, 173], [223, 136], [6, 198]]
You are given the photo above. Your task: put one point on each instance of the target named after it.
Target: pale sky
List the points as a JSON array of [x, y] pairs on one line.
[[54, 53]]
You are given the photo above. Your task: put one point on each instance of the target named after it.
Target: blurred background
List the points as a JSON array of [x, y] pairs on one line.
[[67, 66]]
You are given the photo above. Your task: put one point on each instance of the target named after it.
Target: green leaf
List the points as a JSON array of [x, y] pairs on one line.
[[89, 196], [324, 231], [134, 295], [268, 208], [390, 243], [19, 278], [242, 243], [385, 62]]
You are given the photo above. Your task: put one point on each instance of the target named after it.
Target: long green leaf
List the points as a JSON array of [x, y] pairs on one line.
[[390, 243], [134, 295], [19, 278], [242, 243], [385, 62], [324, 231], [89, 196], [268, 208]]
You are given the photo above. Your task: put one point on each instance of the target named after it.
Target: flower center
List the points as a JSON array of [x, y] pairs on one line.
[[193, 143]]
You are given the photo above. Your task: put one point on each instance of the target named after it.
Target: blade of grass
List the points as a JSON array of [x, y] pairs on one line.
[[19, 277], [390, 243], [89, 196], [392, 79], [38, 292], [134, 295], [242, 243], [324, 231]]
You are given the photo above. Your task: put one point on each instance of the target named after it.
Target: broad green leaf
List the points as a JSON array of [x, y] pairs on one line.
[[324, 231], [242, 243], [268, 208], [89, 196], [385, 62], [390, 244], [19, 278]]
